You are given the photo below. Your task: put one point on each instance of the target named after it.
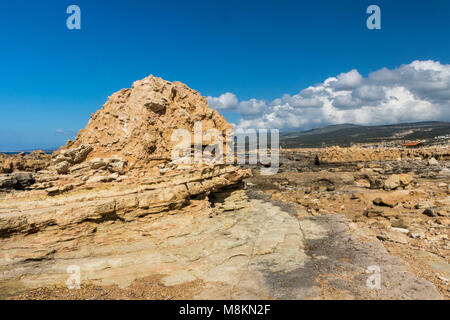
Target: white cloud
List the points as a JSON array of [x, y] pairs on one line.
[[226, 101], [369, 93], [347, 81], [252, 107], [229, 102], [300, 101], [418, 91]]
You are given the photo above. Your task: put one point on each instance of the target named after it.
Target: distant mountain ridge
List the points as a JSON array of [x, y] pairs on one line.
[[28, 151], [347, 134]]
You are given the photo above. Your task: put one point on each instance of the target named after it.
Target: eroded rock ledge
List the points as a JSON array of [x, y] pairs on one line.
[[114, 202], [355, 154], [119, 167]]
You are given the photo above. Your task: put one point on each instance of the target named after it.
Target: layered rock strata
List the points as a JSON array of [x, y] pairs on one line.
[[342, 155], [119, 167]]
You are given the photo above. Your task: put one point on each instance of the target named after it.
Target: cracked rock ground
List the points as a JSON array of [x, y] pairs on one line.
[[260, 251]]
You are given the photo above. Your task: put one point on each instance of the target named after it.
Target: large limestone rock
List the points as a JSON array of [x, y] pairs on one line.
[[118, 172], [118, 202], [136, 124], [127, 147]]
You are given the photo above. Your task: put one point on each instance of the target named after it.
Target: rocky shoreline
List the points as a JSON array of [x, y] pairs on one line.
[[136, 224]]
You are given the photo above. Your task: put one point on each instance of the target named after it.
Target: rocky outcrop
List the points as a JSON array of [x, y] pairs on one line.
[[136, 124], [119, 166], [397, 180], [126, 203], [73, 155], [257, 251], [32, 162], [355, 154], [183, 224], [17, 180]]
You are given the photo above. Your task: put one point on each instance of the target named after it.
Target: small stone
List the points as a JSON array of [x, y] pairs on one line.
[[58, 190], [371, 213], [116, 165], [429, 212], [401, 222], [363, 183], [164, 170], [417, 235], [393, 182], [393, 236], [385, 201], [405, 179], [443, 279], [433, 162], [444, 213], [99, 179], [62, 167], [423, 205], [390, 214], [97, 163], [402, 230]]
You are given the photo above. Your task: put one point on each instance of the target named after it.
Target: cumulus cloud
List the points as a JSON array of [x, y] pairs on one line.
[[346, 81], [418, 91], [226, 101], [229, 102]]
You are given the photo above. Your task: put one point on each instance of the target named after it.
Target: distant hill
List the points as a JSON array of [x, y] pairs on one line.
[[346, 134], [28, 151]]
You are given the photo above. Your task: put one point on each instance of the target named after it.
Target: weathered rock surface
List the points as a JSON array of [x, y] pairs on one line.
[[114, 204], [118, 170], [397, 180], [33, 162], [17, 180], [122, 203], [62, 167], [355, 154], [137, 124], [260, 251], [433, 162], [411, 216], [129, 141]]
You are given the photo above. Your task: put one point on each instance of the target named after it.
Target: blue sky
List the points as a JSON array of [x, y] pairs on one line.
[[53, 78]]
